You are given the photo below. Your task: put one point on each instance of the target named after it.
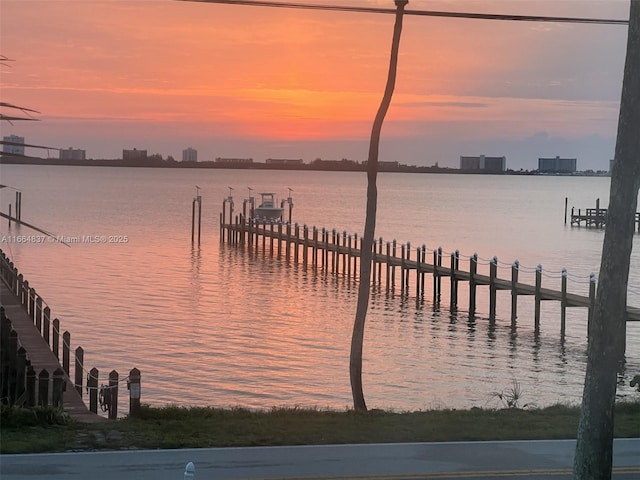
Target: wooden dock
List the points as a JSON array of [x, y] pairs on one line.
[[593, 217], [40, 354], [401, 264], [33, 342]]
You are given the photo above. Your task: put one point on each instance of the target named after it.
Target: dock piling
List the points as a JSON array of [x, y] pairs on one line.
[[514, 290], [538, 296], [563, 303], [493, 273], [473, 269]]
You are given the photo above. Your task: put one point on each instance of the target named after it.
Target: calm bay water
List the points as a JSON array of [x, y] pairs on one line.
[[216, 325]]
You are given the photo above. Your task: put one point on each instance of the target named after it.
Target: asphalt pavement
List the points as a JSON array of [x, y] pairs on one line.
[[544, 459]]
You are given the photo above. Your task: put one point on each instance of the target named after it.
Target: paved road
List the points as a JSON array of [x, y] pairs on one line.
[[547, 459]]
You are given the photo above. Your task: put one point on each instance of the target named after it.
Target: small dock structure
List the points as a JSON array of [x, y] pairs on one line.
[[401, 265], [593, 217]]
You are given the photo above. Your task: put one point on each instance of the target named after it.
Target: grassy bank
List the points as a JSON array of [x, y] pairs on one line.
[[173, 427]]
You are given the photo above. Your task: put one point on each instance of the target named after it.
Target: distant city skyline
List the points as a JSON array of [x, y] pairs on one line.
[[231, 81]]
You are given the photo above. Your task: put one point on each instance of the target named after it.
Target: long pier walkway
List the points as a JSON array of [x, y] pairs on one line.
[[340, 252], [40, 354]]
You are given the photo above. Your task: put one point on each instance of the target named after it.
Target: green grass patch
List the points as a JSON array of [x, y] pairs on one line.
[[177, 427]]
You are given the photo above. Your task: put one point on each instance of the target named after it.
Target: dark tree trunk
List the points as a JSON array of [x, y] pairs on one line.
[[607, 327], [357, 339]]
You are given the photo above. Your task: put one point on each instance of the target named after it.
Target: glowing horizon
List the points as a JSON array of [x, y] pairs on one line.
[[127, 70]]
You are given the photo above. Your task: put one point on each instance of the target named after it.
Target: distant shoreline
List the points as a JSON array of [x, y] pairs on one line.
[[329, 166]]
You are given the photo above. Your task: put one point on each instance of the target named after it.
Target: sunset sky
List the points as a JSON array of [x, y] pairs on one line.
[[239, 81]]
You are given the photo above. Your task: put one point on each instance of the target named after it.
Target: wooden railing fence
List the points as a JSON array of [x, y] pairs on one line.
[[17, 373]]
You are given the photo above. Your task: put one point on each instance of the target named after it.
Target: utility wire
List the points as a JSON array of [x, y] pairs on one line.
[[423, 13]]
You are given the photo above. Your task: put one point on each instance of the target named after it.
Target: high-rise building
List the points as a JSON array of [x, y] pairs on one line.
[[133, 155], [189, 155], [557, 165], [73, 154], [13, 149], [483, 164]]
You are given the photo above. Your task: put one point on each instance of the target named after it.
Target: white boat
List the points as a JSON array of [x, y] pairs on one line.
[[268, 210]]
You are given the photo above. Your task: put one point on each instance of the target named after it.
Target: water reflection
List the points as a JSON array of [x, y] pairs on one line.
[[270, 331]]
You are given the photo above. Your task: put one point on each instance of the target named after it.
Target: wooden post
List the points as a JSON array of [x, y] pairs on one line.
[[20, 288], [493, 272], [473, 269], [394, 246], [566, 203], [58, 387], [272, 234], [66, 350], [38, 313], [92, 386], [46, 325], [113, 388], [335, 246], [199, 217], [515, 268], [349, 256], [79, 357], [314, 246], [455, 265], [418, 270], [325, 248], [43, 388], [439, 279], [287, 252], [379, 257], [563, 303], [31, 292], [403, 253], [193, 220], [55, 343], [407, 271], [388, 278], [436, 294], [538, 296], [305, 253], [134, 392], [354, 255], [345, 257], [423, 274]]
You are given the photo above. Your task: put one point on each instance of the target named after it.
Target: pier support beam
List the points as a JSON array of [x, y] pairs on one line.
[[538, 296], [473, 269]]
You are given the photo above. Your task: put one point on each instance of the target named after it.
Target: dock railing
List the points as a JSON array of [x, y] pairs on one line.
[[17, 372]]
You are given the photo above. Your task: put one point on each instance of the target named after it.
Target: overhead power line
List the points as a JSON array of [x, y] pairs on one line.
[[423, 13]]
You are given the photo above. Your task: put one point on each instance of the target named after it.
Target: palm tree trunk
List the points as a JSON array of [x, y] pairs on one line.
[[607, 326], [357, 339]]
